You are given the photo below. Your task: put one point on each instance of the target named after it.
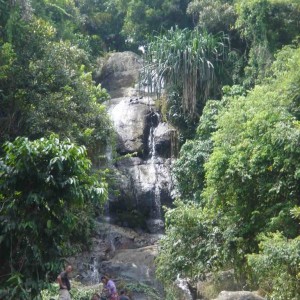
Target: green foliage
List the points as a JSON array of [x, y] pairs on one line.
[[63, 98], [102, 22], [81, 292], [171, 292], [48, 199], [188, 169], [267, 25], [247, 142], [46, 87], [147, 17], [252, 174], [251, 185], [214, 16], [64, 15], [78, 291], [277, 266], [185, 61], [7, 59], [140, 288], [185, 250], [258, 18], [185, 123]]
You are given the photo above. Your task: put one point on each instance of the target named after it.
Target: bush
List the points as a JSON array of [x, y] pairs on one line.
[[47, 198], [277, 266]]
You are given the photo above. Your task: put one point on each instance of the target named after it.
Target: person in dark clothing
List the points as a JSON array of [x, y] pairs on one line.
[[64, 284], [123, 296]]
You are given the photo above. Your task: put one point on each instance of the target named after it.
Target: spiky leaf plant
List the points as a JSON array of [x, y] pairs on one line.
[[187, 59]]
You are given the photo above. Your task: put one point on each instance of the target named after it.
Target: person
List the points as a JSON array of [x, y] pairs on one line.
[[64, 283], [123, 296], [110, 288], [96, 297]]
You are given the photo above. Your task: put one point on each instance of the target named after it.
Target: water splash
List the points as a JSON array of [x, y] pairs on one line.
[[183, 286], [95, 276]]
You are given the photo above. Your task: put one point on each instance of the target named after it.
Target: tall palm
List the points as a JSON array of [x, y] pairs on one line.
[[187, 59]]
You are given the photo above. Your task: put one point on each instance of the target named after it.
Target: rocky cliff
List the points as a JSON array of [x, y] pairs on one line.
[[143, 180]]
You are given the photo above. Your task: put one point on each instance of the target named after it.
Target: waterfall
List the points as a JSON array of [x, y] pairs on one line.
[[145, 146], [155, 118], [112, 244], [95, 276], [182, 285]]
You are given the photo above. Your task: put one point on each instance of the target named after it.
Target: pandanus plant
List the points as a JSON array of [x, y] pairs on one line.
[[186, 59]]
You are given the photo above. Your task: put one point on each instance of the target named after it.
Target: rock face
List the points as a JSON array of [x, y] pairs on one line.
[[123, 254], [130, 117], [182, 289], [119, 72], [133, 265], [144, 179], [241, 295]]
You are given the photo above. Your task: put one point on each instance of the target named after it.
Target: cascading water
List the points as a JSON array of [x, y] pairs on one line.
[[143, 177], [94, 276], [156, 213]]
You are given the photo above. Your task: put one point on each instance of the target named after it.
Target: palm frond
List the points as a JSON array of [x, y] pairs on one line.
[[185, 58]]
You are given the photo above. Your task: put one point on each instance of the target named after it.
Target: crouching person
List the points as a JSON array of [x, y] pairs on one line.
[[109, 288]]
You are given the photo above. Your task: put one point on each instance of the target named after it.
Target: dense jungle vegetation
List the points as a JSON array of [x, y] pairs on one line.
[[228, 76]]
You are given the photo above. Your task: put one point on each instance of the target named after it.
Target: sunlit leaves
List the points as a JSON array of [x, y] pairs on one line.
[[251, 187], [189, 167], [47, 87], [251, 173], [266, 25], [184, 250], [214, 16], [49, 197], [276, 266]]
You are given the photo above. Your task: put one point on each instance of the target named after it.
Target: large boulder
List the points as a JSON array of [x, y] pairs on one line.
[[165, 140], [182, 289], [144, 186], [119, 72], [148, 180], [106, 254], [133, 265], [130, 119], [239, 295]]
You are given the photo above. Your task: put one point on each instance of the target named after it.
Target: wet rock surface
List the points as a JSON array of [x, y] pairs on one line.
[[122, 253], [130, 121], [143, 180], [182, 289]]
